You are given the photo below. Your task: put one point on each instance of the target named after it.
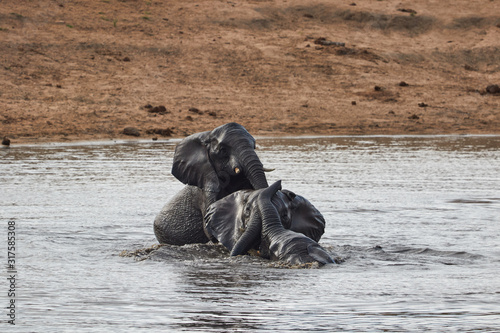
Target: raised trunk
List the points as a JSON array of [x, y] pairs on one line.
[[253, 168], [271, 222]]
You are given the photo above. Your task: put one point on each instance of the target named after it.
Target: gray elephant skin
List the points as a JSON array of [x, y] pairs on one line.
[[213, 164], [257, 219]]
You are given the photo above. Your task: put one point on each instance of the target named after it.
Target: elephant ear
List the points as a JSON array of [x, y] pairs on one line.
[[192, 164], [306, 219], [222, 220]]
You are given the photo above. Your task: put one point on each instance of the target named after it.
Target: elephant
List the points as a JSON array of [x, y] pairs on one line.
[[213, 164], [257, 219]]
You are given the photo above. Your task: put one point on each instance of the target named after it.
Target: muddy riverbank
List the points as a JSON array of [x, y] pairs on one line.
[[87, 70]]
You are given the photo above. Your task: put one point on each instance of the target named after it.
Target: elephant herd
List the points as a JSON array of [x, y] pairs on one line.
[[227, 199]]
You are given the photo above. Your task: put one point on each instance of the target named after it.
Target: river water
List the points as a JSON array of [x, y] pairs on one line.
[[415, 219]]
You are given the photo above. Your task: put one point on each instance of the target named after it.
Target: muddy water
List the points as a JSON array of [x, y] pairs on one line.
[[416, 219]]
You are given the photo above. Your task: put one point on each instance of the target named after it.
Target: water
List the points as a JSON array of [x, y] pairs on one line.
[[416, 219]]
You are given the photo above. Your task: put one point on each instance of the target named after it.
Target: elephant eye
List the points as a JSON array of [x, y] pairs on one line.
[[222, 151], [285, 219], [247, 212]]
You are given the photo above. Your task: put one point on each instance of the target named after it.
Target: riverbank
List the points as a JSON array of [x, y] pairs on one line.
[[89, 70]]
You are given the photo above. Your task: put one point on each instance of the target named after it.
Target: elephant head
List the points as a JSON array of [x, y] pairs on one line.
[[219, 162], [228, 218], [255, 219], [302, 216]]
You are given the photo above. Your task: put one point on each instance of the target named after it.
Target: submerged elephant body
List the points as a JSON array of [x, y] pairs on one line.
[[257, 219], [170, 229], [296, 249]]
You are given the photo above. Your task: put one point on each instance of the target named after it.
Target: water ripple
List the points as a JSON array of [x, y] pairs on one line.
[[415, 220]]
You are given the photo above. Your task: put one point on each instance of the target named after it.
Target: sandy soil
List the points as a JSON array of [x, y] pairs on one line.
[[79, 70]]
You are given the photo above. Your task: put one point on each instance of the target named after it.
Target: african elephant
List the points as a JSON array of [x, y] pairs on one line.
[[213, 164], [256, 219]]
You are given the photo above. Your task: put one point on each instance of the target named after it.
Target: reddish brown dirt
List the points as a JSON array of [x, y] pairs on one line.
[[79, 70]]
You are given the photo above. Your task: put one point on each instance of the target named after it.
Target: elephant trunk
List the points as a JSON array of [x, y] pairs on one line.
[[249, 237], [267, 216], [253, 168], [271, 222]]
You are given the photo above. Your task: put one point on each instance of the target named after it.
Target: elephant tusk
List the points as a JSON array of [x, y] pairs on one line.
[[268, 170], [237, 170]]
